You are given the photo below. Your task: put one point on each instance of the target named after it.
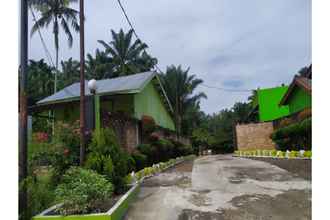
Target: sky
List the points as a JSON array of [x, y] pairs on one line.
[[232, 44]]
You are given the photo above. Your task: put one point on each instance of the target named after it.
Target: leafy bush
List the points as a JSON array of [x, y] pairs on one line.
[[148, 124], [108, 158], [308, 154], [296, 136], [40, 193], [68, 135], [140, 160], [81, 191]]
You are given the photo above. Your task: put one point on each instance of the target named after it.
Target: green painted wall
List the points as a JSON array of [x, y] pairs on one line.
[[299, 100], [269, 100], [67, 114], [148, 102]]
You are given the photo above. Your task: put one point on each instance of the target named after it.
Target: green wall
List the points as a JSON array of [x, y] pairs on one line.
[[269, 100], [148, 102], [299, 100], [68, 113]]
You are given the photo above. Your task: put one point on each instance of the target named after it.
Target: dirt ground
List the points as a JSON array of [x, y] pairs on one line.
[[300, 168], [222, 187]]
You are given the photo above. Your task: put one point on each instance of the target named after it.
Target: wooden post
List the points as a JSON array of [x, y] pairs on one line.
[[82, 83], [23, 113]]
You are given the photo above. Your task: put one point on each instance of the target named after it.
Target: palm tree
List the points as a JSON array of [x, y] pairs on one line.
[[59, 14], [41, 81], [180, 89], [70, 72], [100, 67], [126, 55]]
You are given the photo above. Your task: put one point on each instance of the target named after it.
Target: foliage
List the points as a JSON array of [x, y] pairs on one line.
[[295, 136], [148, 124], [70, 73], [81, 191], [100, 66], [40, 192], [128, 57], [180, 88], [67, 136], [140, 160], [155, 168], [274, 153], [40, 81], [107, 158]]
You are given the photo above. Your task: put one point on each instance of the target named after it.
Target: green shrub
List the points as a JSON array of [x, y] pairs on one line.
[[81, 191], [140, 160], [273, 153], [40, 192], [308, 154], [293, 154], [296, 136], [67, 135], [107, 158]]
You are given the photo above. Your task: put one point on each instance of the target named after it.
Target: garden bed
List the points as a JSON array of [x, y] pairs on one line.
[[116, 212], [121, 203]]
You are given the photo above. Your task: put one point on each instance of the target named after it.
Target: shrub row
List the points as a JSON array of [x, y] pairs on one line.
[[274, 153], [155, 168], [159, 150], [296, 136]]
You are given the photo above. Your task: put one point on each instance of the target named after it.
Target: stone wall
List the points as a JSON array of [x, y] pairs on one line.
[[254, 136], [131, 136]]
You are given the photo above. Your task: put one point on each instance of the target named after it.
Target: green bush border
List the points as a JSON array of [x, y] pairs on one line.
[[119, 209], [273, 154]]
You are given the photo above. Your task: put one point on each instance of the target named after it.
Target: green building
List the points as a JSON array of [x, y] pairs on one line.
[[125, 100], [267, 103], [299, 95]]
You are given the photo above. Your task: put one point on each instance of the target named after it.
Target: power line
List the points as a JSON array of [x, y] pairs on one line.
[[225, 89], [203, 84], [48, 55], [133, 29]]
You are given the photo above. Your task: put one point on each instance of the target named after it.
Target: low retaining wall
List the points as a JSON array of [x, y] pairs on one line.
[[254, 136]]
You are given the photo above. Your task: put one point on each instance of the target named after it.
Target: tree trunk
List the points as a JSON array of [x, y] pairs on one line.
[[56, 71]]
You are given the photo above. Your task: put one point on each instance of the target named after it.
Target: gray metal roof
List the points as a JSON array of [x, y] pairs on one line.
[[120, 85]]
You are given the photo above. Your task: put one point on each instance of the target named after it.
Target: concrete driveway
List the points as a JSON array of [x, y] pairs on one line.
[[224, 187]]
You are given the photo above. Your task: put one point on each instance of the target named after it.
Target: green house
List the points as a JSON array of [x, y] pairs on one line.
[[299, 95], [134, 96], [267, 103]]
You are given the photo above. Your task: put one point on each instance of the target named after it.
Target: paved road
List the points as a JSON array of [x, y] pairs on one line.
[[224, 187]]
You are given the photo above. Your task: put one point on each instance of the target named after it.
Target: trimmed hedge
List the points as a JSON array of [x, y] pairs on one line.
[[297, 136], [274, 154], [156, 168]]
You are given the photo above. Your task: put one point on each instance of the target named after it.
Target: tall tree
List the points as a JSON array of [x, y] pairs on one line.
[[40, 80], [59, 14], [100, 67], [127, 56], [180, 88], [70, 73]]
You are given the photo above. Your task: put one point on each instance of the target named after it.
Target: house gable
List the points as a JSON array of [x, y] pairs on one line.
[[149, 102], [268, 102]]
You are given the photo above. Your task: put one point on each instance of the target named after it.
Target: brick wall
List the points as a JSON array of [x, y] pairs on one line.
[[254, 136]]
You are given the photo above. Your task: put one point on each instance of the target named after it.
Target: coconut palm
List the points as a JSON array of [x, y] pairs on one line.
[[100, 67], [126, 55], [41, 82], [70, 73], [59, 14], [180, 89]]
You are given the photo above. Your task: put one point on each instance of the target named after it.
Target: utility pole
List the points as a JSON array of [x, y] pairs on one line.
[[82, 82], [23, 113]]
